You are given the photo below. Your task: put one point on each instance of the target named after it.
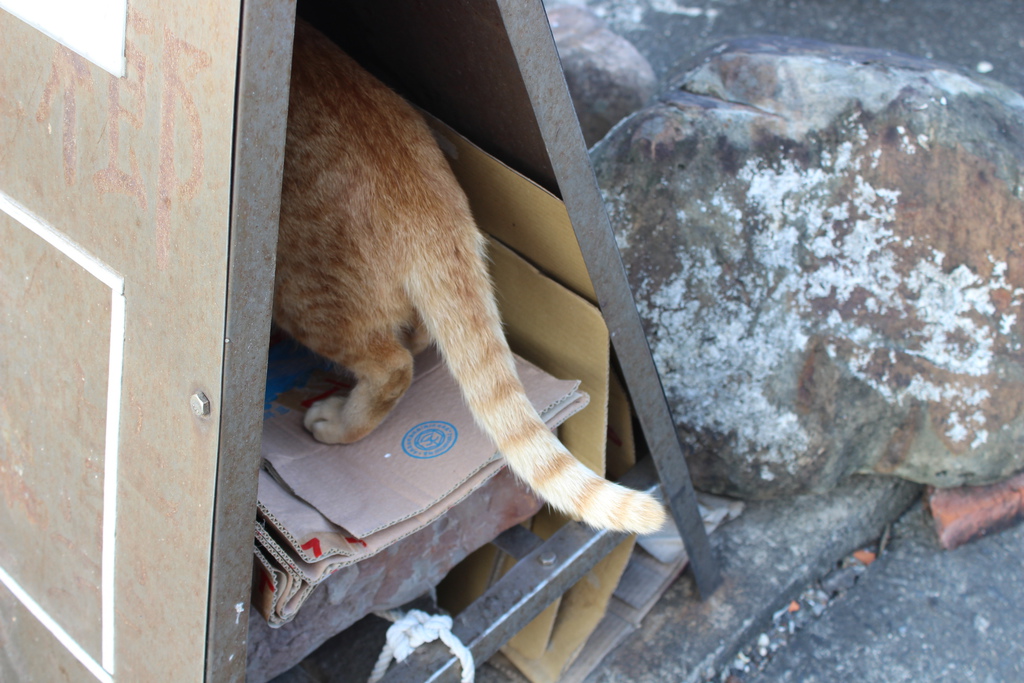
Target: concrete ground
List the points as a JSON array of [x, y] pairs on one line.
[[919, 613], [916, 614], [769, 557]]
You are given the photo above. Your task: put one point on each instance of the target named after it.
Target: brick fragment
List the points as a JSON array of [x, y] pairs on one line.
[[865, 557], [968, 512]]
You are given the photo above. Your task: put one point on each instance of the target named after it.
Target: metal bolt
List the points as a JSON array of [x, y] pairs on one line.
[[200, 404], [547, 559]]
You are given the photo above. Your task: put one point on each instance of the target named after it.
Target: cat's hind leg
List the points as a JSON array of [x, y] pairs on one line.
[[416, 338], [383, 370]]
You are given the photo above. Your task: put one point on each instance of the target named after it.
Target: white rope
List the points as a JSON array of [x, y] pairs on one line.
[[416, 628]]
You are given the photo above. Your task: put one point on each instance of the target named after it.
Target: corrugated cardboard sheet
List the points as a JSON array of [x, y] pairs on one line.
[[330, 506]]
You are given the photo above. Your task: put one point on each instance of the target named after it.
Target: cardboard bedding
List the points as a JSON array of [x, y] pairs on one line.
[[325, 507], [399, 574]]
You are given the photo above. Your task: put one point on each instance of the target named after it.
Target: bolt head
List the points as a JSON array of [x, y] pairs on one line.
[[200, 404], [547, 559]]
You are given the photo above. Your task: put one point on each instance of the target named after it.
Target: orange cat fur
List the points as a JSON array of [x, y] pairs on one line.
[[378, 254]]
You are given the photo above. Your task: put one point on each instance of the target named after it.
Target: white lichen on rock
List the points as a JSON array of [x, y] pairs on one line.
[[715, 361], [719, 335]]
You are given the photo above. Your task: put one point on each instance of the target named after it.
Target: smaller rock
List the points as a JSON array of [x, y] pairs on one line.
[[969, 512], [608, 78], [840, 581]]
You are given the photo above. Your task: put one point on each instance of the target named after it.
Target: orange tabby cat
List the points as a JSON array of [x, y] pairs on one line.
[[378, 255]]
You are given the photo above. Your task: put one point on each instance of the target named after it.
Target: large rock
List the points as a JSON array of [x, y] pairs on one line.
[[827, 248], [608, 78]]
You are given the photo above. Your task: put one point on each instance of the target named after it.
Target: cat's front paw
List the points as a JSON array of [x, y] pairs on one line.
[[325, 420], [329, 422]]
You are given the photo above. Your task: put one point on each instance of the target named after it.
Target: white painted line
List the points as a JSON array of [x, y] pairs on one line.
[[94, 29], [63, 243], [54, 628], [110, 461], [115, 371]]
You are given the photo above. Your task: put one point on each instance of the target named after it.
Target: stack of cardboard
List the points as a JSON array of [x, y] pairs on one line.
[[325, 507]]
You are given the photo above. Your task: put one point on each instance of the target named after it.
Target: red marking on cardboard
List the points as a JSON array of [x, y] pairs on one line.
[[314, 545], [338, 386]]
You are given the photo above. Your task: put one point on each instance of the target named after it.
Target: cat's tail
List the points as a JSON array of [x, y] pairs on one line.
[[455, 301]]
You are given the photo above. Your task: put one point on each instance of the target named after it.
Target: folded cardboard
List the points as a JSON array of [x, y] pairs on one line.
[[393, 577], [330, 506], [301, 565], [517, 211], [423, 451]]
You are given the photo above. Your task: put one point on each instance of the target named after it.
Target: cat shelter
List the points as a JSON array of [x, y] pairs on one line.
[[139, 188]]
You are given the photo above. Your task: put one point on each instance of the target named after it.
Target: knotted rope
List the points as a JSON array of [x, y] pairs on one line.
[[416, 628]]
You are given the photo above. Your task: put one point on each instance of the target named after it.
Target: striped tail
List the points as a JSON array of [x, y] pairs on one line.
[[456, 303]]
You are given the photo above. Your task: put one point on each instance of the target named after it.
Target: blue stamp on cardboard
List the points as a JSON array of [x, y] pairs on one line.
[[429, 439]]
